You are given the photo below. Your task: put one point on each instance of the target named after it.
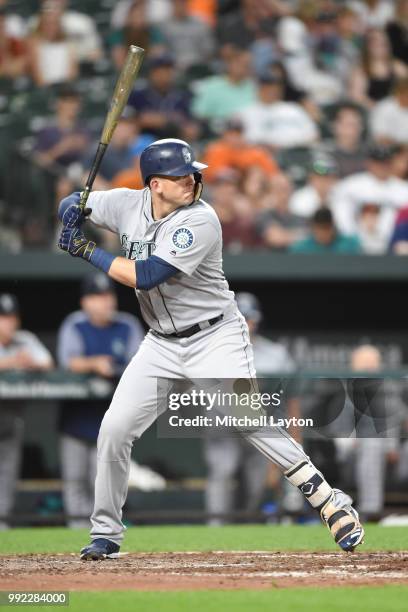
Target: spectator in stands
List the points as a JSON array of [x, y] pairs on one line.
[[15, 26], [349, 31], [120, 154], [80, 30], [136, 30], [65, 139], [333, 39], [255, 185], [206, 10], [318, 191], [276, 225], [399, 162], [374, 78], [233, 151], [347, 147], [189, 39], [389, 118], [234, 212], [367, 203], [21, 351], [130, 176], [397, 31], [324, 237], [218, 97], [272, 121], [374, 13], [399, 237], [229, 458], [13, 52], [248, 23], [296, 40], [95, 340], [163, 108], [157, 11], [53, 57]]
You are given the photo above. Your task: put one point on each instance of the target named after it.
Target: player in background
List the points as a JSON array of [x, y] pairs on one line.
[[172, 243], [20, 350], [226, 457], [97, 339]]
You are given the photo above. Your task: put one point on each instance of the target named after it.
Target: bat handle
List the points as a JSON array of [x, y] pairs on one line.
[[84, 197], [92, 174]]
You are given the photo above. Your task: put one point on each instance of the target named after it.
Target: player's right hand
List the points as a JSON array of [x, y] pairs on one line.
[[69, 211]]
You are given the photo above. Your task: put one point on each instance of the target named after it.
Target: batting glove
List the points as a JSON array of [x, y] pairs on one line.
[[70, 213], [73, 241]]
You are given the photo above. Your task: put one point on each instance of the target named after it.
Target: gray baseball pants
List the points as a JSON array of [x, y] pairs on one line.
[[221, 351]]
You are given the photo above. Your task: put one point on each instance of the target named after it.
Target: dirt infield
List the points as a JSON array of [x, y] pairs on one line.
[[214, 570]]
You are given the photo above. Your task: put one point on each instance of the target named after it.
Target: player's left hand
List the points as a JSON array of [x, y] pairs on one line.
[[73, 241]]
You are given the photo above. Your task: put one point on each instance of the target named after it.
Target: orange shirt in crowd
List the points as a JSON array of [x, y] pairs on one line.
[[130, 178], [204, 9], [220, 155]]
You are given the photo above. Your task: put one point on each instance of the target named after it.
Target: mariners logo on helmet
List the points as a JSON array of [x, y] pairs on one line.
[[186, 154], [183, 238]]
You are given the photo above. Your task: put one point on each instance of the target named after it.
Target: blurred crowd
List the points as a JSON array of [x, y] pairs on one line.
[[300, 109]]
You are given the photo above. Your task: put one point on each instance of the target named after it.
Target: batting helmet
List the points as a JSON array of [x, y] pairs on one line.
[[169, 157]]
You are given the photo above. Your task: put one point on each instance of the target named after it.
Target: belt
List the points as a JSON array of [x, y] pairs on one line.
[[194, 329]]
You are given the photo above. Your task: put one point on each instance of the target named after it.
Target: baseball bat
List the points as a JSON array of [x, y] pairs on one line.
[[120, 96]]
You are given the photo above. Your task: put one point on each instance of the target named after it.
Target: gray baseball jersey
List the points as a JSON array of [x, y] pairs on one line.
[[189, 238]]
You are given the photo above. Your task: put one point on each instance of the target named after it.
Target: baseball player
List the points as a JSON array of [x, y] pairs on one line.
[[172, 245]]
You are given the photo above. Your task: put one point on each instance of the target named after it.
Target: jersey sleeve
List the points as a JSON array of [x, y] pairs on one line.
[[185, 245], [106, 208]]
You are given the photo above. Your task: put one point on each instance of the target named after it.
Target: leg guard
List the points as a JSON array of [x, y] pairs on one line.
[[310, 482]]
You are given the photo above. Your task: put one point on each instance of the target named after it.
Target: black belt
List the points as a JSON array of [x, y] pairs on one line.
[[194, 329]]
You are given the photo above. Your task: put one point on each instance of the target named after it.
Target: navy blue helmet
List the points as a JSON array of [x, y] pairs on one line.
[[169, 157]]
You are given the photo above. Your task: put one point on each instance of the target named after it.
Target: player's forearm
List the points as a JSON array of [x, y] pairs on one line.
[[123, 271], [84, 365]]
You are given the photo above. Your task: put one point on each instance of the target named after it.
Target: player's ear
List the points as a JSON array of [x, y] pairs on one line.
[[155, 185]]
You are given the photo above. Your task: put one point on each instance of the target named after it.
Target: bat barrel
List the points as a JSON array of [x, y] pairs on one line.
[[123, 88], [120, 96]]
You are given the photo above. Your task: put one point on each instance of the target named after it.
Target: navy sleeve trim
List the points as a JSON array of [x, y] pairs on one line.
[[153, 271]]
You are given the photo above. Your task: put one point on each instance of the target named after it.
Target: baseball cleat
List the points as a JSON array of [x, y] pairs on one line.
[[342, 521], [100, 549]]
